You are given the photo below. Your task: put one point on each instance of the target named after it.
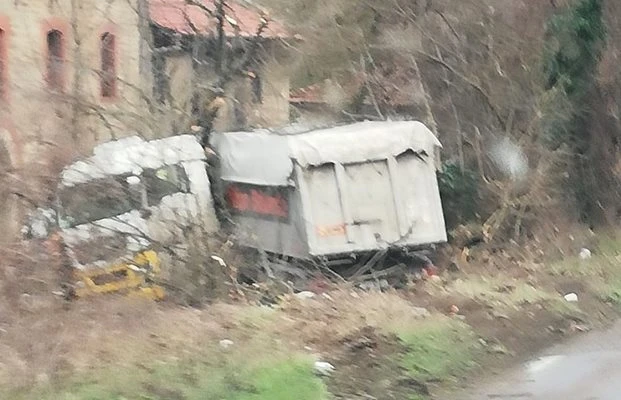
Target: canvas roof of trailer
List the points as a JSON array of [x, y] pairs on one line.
[[265, 157], [130, 155]]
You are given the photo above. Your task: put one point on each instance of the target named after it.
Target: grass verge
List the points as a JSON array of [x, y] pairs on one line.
[[602, 271], [279, 378], [438, 350]]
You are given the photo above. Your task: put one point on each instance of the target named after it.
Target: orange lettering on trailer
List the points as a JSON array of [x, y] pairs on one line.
[[331, 230]]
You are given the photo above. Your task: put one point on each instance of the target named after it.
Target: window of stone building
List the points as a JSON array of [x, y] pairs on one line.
[[4, 64], [108, 65], [257, 88], [55, 60]]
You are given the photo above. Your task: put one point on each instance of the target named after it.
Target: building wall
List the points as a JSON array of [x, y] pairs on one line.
[[42, 129], [33, 110], [127, 112], [176, 114], [238, 108], [271, 110]]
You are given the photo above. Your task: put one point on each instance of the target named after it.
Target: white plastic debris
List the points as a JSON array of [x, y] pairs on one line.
[[136, 268], [305, 295], [323, 368], [226, 343], [327, 296], [219, 260], [571, 297], [585, 254], [133, 180]]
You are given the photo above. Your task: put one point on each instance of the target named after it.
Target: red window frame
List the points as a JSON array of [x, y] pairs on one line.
[[268, 202]]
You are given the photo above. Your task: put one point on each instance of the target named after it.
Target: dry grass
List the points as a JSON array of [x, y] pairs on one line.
[[55, 341], [498, 292], [601, 273], [44, 339], [49, 340]]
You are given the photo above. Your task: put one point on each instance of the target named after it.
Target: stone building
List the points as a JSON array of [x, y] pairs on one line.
[[185, 43], [75, 73]]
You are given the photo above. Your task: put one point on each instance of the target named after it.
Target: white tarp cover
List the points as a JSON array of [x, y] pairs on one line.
[[265, 158], [257, 158], [130, 155]]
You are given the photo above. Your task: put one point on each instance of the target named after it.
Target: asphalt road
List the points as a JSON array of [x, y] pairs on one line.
[[587, 368]]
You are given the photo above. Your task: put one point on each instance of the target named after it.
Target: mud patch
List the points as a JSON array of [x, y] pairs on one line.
[[366, 368]]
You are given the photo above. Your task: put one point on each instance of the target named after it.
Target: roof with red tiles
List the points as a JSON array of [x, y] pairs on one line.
[[191, 17]]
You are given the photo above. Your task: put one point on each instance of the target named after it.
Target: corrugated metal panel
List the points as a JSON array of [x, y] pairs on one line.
[[328, 227], [370, 198], [423, 218]]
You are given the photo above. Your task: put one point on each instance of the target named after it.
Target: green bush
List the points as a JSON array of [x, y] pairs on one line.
[[459, 192]]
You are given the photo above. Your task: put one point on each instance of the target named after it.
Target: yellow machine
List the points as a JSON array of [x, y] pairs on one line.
[[134, 278]]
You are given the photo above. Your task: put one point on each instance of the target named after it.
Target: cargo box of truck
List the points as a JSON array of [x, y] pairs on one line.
[[328, 192]]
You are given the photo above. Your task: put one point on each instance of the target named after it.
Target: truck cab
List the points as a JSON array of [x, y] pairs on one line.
[[115, 209]]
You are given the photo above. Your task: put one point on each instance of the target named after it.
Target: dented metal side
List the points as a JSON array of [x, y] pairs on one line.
[[372, 205]]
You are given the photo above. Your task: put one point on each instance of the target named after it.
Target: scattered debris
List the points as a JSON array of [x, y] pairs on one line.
[[453, 310], [498, 315], [553, 329], [305, 295], [323, 368], [454, 267], [219, 260], [420, 312], [226, 343], [380, 285], [585, 254], [571, 297], [497, 348], [467, 235], [430, 270], [435, 278], [575, 327]]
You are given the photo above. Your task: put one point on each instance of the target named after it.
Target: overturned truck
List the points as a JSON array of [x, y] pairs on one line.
[[333, 192]]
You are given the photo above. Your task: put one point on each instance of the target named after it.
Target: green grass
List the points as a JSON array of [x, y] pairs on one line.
[[282, 378], [439, 349], [608, 244]]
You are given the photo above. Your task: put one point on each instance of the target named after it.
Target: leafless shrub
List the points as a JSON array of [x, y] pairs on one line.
[[199, 271]]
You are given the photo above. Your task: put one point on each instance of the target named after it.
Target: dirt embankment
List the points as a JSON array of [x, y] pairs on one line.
[[491, 308]]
